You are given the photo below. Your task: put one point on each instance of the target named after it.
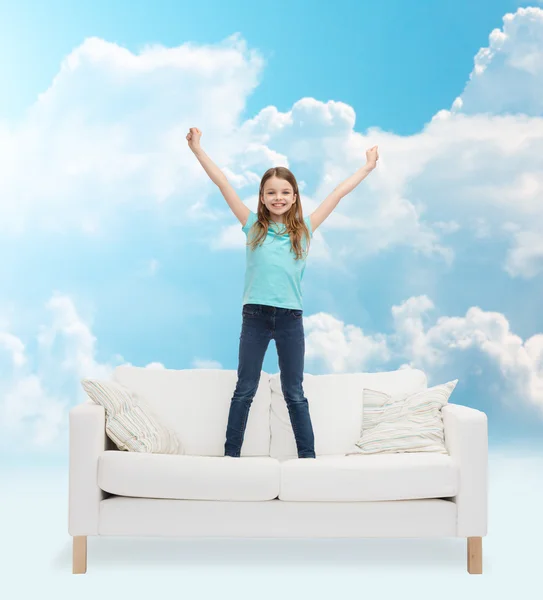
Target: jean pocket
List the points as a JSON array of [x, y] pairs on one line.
[[250, 311], [298, 314]]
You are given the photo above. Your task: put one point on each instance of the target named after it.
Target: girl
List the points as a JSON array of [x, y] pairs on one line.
[[278, 241]]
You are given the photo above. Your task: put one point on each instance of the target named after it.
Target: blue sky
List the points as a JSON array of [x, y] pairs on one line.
[[117, 248], [366, 54]]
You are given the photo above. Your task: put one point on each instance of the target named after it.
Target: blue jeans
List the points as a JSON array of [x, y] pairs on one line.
[[261, 323]]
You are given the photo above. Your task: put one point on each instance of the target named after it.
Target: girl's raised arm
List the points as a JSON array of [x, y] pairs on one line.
[[217, 176]]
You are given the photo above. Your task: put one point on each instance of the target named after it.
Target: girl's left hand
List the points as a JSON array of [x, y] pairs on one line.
[[372, 156]]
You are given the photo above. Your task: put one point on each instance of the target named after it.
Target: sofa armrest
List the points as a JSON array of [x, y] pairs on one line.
[[466, 440], [88, 439]]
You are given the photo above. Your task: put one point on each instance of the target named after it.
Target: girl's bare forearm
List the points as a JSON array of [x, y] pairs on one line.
[[345, 187], [215, 174]]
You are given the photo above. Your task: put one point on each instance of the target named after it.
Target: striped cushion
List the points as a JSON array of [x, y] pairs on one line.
[[408, 423], [129, 422]]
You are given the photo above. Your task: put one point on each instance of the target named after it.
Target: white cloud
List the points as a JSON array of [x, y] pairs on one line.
[[508, 73], [68, 342], [340, 347], [447, 226], [526, 258], [449, 342], [108, 136], [201, 363], [507, 80], [109, 133], [27, 410], [14, 347], [518, 362], [35, 398]]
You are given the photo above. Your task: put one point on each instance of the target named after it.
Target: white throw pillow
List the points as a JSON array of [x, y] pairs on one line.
[[404, 423], [130, 423]]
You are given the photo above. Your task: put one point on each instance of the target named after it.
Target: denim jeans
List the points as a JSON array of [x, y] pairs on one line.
[[261, 323]]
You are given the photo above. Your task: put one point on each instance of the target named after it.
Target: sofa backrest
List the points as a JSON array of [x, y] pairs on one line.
[[195, 403], [335, 403]]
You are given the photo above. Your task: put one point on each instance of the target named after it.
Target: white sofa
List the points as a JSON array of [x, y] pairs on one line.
[[268, 491]]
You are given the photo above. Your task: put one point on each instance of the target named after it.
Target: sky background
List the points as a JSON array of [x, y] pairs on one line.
[[117, 248]]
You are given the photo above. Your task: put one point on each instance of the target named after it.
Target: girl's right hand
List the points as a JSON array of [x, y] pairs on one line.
[[193, 138]]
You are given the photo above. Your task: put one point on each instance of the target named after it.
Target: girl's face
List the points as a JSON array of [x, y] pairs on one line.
[[278, 197]]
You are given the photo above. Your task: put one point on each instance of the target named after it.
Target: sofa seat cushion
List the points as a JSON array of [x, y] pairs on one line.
[[402, 476], [183, 477]]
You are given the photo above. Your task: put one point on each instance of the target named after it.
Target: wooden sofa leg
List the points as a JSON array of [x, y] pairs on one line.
[[475, 555], [79, 554]]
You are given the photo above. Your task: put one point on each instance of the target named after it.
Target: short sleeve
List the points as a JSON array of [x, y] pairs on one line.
[[308, 223], [250, 221]]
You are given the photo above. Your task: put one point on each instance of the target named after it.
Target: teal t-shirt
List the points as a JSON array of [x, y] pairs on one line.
[[273, 276]]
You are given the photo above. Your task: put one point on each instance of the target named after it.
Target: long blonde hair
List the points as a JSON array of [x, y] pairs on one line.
[[293, 219]]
